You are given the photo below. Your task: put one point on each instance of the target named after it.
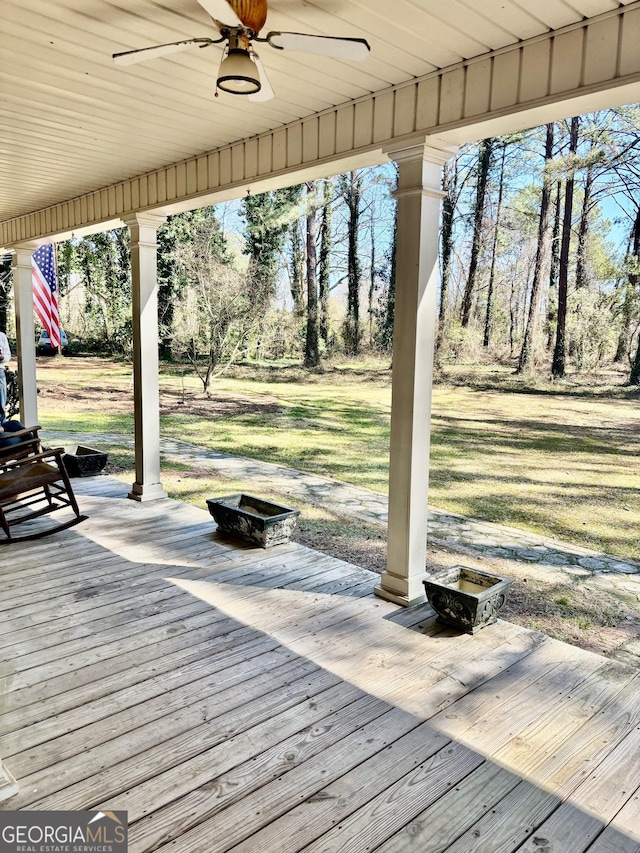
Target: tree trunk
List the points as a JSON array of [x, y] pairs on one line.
[[558, 365], [624, 338], [484, 164], [634, 281], [311, 352], [6, 279], [450, 188], [577, 346], [554, 268], [583, 231], [513, 317], [634, 376], [296, 269], [494, 251], [387, 313], [622, 348], [372, 277], [352, 193], [325, 267], [526, 353]]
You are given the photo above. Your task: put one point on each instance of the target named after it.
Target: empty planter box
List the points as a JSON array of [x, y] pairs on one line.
[[83, 461], [253, 519], [466, 598]]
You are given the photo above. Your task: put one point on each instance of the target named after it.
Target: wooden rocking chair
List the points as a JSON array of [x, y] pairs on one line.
[[33, 482]]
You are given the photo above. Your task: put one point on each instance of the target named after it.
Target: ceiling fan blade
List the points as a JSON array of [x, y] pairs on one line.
[[221, 11], [338, 48], [266, 93], [130, 57]]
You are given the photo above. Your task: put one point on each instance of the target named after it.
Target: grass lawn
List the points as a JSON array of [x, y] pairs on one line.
[[561, 460]]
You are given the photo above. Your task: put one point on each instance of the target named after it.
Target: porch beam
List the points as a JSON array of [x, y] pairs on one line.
[[585, 66], [417, 278], [25, 333], [146, 393]]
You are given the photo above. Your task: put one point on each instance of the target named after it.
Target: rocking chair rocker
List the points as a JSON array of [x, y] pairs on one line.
[[33, 482]]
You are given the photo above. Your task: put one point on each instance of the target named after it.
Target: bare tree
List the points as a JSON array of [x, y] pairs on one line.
[[219, 308], [485, 156], [526, 353]]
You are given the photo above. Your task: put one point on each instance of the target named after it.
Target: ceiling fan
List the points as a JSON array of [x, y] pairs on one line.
[[239, 22]]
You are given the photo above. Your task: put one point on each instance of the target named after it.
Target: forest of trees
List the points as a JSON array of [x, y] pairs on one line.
[[540, 263], [541, 246]]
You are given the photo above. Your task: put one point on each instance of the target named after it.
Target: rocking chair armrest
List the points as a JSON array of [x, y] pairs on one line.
[[21, 443], [36, 457], [26, 431]]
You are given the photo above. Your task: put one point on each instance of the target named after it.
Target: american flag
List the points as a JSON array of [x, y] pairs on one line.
[[45, 300]]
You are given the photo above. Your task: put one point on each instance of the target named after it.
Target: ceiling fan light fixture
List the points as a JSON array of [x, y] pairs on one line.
[[238, 73]]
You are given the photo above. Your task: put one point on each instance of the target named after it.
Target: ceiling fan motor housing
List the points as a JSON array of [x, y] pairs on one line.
[[252, 13]]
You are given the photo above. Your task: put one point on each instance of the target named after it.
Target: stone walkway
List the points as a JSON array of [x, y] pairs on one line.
[[482, 537]]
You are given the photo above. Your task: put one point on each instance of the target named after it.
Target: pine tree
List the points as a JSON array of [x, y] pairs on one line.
[[268, 217]]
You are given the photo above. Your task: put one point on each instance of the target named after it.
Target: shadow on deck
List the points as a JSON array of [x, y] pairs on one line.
[[230, 698]]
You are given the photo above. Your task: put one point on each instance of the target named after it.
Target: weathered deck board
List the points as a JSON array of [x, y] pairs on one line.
[[505, 826], [612, 841], [628, 818], [568, 829], [178, 795], [468, 799], [388, 787], [234, 698], [181, 735]]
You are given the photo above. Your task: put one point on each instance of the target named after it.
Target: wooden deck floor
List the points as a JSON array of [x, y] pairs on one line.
[[236, 699]]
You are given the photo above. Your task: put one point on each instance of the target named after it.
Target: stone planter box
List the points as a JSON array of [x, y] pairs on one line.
[[466, 598], [83, 461], [253, 519]]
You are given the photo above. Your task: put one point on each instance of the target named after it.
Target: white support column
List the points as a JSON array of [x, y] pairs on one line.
[[418, 195], [25, 333], [144, 285]]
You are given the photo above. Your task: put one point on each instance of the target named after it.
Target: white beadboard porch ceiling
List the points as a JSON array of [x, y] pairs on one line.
[[72, 122]]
